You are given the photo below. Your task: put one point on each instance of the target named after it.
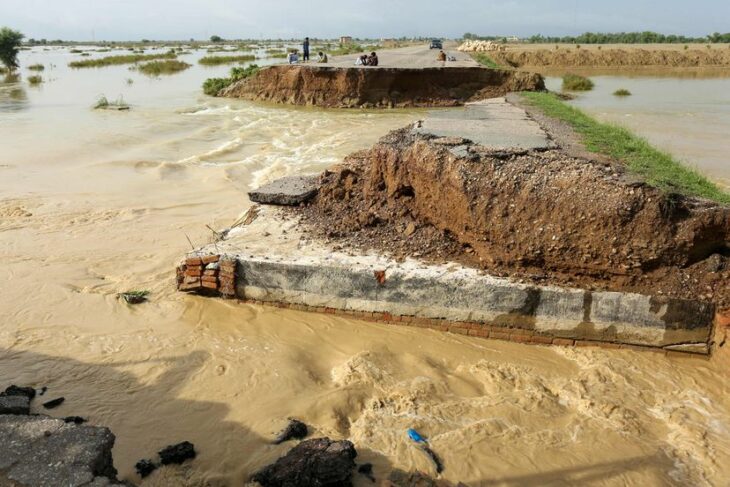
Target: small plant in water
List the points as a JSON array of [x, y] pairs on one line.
[[35, 80], [573, 82], [622, 92], [103, 103], [130, 81], [36, 67], [134, 297]]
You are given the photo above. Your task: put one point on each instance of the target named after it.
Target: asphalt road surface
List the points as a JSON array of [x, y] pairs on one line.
[[407, 57]]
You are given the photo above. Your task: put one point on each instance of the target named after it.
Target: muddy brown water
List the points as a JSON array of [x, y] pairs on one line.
[[94, 203]]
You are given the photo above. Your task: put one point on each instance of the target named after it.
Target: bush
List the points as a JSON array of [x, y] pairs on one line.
[[216, 60], [169, 66], [35, 80], [10, 41], [213, 86], [573, 82], [622, 92], [36, 67]]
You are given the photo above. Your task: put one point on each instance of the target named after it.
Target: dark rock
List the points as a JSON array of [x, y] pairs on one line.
[[318, 462], [145, 467], [288, 191], [14, 390], [399, 478], [41, 451], [366, 469], [54, 403], [14, 405], [43, 391], [177, 453], [294, 430], [74, 419]]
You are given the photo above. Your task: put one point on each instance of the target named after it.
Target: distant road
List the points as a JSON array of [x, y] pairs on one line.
[[409, 57]]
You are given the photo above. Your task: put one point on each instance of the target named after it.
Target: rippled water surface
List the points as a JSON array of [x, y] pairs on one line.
[[93, 203]]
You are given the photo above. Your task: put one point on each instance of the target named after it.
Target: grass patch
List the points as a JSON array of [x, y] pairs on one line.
[[573, 82], [168, 66], [35, 80], [216, 60], [103, 103], [213, 86], [120, 59], [485, 60], [36, 67], [656, 167], [134, 297], [622, 92]]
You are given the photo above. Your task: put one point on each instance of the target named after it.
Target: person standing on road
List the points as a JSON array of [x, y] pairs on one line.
[[305, 49]]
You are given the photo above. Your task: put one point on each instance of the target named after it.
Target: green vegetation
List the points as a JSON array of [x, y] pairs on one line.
[[10, 41], [629, 38], [35, 80], [120, 59], [216, 60], [104, 103], [134, 297], [573, 82], [168, 66], [657, 168], [344, 49], [75, 51], [278, 55], [622, 92], [36, 67], [3, 70], [213, 86], [216, 39], [485, 60]]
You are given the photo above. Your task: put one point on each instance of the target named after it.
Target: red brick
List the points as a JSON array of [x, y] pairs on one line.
[[193, 261], [458, 329], [584, 343], [210, 272], [226, 274], [499, 335], [565, 342], [722, 319], [520, 338], [193, 272], [207, 259], [209, 279], [541, 339], [210, 285], [479, 333]]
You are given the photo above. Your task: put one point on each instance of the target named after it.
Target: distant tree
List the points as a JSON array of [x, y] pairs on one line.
[[216, 39], [10, 41]]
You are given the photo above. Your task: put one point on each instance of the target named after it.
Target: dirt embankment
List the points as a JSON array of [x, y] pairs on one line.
[[383, 87], [543, 216], [614, 57]]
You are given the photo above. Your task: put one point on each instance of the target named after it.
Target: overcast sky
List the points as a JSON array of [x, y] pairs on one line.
[[183, 19]]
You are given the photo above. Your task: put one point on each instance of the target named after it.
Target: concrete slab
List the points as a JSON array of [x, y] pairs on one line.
[[493, 123], [276, 263], [288, 191]]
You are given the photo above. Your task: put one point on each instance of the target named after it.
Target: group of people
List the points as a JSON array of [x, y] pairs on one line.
[[365, 60]]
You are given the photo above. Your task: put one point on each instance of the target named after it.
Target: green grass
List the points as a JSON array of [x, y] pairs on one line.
[[216, 60], [119, 59], [654, 166], [103, 102], [485, 60], [213, 86], [622, 92], [573, 82], [36, 67], [168, 66], [35, 80]]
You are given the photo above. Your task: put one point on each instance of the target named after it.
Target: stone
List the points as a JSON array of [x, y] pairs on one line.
[[42, 451], [54, 403], [14, 390], [288, 191], [294, 430], [177, 453], [14, 405], [145, 467], [317, 462]]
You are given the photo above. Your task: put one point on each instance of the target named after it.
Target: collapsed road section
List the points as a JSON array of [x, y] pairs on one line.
[[494, 233]]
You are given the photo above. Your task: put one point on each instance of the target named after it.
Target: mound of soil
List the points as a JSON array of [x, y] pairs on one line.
[[383, 87], [615, 57], [543, 216]]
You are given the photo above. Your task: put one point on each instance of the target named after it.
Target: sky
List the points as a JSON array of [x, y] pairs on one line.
[[199, 19]]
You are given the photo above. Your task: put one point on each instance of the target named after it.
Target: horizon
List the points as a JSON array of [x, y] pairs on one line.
[[130, 20]]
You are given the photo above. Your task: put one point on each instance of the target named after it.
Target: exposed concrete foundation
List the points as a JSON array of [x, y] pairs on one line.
[[275, 263]]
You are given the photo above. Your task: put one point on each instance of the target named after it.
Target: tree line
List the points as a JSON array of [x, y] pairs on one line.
[[613, 38]]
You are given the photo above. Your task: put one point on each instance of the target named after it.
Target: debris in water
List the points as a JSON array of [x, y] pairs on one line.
[[416, 436], [177, 453], [74, 419], [43, 391], [367, 470], [423, 444], [145, 467], [294, 430], [134, 297], [53, 403]]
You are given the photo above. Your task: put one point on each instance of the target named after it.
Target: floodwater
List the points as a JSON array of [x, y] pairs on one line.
[[687, 114], [93, 203]]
